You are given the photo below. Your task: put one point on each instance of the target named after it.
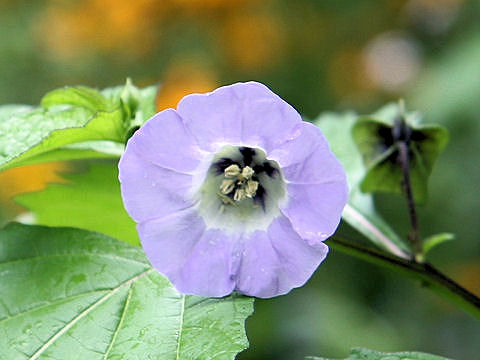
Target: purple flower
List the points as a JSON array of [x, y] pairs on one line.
[[233, 192]]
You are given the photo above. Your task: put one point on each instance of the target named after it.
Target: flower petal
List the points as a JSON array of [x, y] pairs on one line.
[[247, 114], [276, 261], [164, 141], [316, 183], [196, 260], [150, 191], [315, 209], [307, 159]]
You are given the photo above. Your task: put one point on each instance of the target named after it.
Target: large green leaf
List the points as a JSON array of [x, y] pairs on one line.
[[365, 354], [360, 211], [72, 294], [91, 201], [72, 115]]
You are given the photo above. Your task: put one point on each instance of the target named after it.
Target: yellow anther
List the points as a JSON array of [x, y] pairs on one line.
[[247, 172], [232, 171], [227, 186], [251, 188], [239, 194], [239, 181]]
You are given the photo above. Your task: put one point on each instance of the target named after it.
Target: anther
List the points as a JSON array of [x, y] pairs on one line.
[[232, 171], [227, 186], [239, 181], [239, 194], [251, 188], [247, 172]]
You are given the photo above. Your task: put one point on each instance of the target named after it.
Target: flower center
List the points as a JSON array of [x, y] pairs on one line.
[[239, 183], [242, 190]]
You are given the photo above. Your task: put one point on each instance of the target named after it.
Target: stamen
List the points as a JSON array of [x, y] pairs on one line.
[[227, 186], [238, 181], [239, 194], [251, 188], [247, 173], [232, 171]]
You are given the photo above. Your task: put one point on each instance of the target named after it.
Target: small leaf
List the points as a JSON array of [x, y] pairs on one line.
[[365, 354], [374, 137], [71, 115], [139, 104], [80, 96], [360, 211], [91, 201], [433, 241], [69, 293]]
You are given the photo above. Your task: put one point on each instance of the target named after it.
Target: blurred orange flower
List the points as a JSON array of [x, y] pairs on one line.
[[182, 79], [27, 179], [193, 5], [347, 76], [253, 41], [90, 25]]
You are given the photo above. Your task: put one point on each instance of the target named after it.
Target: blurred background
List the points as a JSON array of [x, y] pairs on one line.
[[319, 56]]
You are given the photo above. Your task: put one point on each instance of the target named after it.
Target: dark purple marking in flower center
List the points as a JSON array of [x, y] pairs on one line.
[[220, 165], [248, 154]]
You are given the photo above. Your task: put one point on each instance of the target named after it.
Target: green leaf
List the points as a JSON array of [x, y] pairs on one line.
[[360, 211], [365, 354], [74, 294], [374, 138], [7, 111], [139, 104], [91, 201], [433, 241], [79, 151], [73, 115], [67, 116]]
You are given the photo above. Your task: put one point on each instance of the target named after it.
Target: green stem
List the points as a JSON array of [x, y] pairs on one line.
[[430, 277]]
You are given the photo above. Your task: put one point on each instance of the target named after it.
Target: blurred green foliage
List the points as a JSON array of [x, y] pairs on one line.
[[318, 55]]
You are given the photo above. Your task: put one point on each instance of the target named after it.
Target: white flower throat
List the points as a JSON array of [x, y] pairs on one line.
[[242, 190]]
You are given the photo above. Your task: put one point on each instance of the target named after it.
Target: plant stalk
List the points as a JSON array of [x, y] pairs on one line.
[[426, 273], [402, 135], [414, 235]]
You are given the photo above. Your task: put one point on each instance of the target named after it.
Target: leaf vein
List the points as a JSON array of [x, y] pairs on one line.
[[50, 303], [85, 312], [182, 314], [120, 322]]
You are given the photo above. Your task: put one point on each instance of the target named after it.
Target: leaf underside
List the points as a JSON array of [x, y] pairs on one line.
[[90, 201]]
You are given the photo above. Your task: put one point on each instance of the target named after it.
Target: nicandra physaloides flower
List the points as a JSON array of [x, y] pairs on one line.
[[232, 191]]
